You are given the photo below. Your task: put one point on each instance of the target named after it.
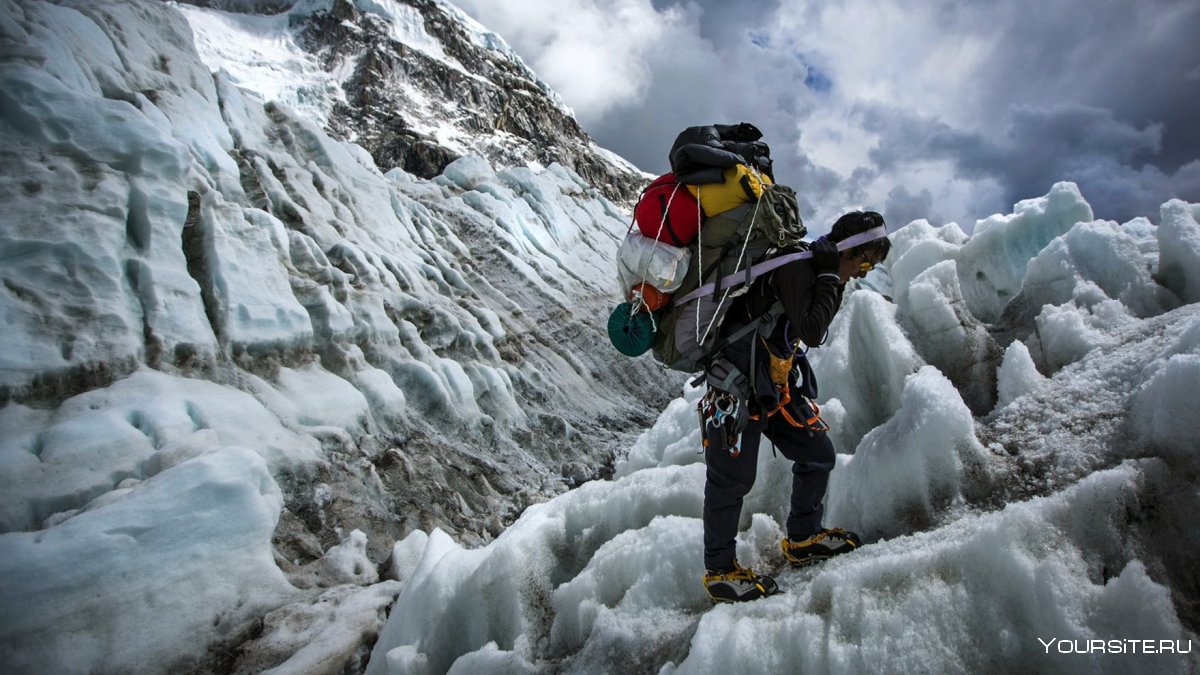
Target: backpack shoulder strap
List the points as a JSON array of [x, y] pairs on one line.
[[768, 317], [775, 263], [751, 273]]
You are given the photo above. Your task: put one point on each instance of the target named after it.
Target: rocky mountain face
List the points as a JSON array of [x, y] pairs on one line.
[[490, 104]]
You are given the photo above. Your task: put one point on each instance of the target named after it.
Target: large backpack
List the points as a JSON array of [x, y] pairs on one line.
[[713, 169], [716, 214], [732, 250], [672, 212]]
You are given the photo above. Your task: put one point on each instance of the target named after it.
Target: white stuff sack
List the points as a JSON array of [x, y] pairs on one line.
[[644, 260]]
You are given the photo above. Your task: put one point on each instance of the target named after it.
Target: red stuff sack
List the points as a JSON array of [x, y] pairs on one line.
[[668, 212]]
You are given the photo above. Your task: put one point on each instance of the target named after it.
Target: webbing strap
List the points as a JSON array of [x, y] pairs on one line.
[[755, 271], [771, 314]]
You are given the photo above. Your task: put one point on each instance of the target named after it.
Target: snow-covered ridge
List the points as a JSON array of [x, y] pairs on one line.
[[416, 84]]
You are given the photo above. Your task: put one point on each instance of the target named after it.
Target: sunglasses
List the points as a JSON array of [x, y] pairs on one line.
[[866, 266]]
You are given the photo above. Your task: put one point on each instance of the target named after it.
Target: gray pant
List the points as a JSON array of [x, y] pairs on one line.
[[730, 479]]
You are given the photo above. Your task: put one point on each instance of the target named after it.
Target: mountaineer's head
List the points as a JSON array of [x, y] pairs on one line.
[[856, 261]]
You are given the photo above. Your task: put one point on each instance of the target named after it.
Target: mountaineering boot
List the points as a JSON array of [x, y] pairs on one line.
[[822, 545], [738, 584]]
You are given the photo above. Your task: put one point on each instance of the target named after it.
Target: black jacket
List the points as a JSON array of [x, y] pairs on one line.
[[809, 304]]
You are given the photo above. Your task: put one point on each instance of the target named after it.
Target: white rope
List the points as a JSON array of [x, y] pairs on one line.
[[741, 257]]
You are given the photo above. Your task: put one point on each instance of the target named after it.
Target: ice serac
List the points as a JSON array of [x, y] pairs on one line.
[[992, 263], [98, 282], [862, 367], [189, 267], [1097, 255], [920, 462], [1017, 375], [948, 336], [1179, 243], [113, 589]]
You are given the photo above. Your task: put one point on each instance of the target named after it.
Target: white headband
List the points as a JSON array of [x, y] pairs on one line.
[[862, 238]]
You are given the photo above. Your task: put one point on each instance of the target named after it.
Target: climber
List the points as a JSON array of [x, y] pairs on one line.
[[766, 372]]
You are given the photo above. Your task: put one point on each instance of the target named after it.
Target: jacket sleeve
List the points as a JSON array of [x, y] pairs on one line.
[[809, 302]]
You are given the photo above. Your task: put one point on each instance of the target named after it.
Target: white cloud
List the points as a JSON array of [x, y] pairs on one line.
[[593, 53]]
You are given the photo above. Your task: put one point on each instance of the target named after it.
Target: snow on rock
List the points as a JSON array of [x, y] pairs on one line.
[[911, 469], [1179, 246], [992, 262], [263, 58], [417, 85], [194, 542]]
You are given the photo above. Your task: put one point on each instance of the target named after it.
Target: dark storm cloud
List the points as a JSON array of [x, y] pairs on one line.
[[954, 109], [1140, 60], [1109, 159], [1103, 94], [903, 206], [728, 72]]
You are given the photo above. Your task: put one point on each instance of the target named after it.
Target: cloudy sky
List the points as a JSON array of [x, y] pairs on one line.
[[949, 110]]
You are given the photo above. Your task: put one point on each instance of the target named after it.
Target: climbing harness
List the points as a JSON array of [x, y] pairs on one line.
[[721, 420], [799, 411]]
